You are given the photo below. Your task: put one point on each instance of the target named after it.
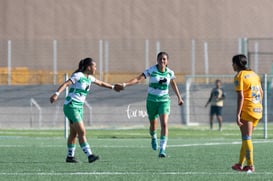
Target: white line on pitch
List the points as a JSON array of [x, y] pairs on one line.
[[140, 146], [130, 173]]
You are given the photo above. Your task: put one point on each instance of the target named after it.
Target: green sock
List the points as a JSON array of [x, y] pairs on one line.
[[153, 134]]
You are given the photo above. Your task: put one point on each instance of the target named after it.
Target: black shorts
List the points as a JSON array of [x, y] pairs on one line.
[[215, 110]]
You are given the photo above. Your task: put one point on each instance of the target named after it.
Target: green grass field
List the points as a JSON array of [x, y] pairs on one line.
[[194, 153]]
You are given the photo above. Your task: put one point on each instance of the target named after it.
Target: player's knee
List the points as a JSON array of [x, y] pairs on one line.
[[81, 132], [164, 125]]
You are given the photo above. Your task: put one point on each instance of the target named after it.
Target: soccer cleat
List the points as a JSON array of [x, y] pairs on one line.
[[237, 167], [154, 143], [248, 169], [71, 160], [93, 158], [162, 153]]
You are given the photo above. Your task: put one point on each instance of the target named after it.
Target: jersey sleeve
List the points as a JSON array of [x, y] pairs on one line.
[[147, 72], [74, 77], [238, 82], [172, 76]]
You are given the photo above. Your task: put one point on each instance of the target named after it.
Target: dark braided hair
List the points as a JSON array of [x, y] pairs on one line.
[[241, 61], [83, 64]]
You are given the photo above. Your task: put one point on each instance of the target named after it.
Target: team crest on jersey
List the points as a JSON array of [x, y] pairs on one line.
[[162, 80]]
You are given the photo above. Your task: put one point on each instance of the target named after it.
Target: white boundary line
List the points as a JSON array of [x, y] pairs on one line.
[[139, 146], [130, 173], [140, 173], [219, 143]]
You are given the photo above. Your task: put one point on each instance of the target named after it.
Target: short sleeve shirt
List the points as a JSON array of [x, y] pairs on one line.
[[217, 95], [158, 90], [249, 82], [79, 89]]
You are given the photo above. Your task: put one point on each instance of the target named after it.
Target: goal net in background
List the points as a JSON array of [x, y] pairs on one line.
[[198, 90], [260, 54]]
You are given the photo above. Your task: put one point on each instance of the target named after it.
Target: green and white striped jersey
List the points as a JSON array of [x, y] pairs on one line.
[[79, 89], [158, 90]]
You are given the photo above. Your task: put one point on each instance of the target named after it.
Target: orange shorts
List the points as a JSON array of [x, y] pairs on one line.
[[245, 116]]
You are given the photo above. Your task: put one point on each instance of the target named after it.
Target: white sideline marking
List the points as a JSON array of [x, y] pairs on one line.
[[130, 173], [219, 143], [137, 173], [140, 146]]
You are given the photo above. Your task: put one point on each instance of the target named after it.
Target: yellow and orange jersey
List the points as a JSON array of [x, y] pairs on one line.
[[249, 82]]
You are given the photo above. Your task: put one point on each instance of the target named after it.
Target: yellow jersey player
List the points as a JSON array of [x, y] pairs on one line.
[[249, 109]]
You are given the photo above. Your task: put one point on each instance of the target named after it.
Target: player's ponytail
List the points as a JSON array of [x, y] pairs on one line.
[[241, 61], [83, 64]]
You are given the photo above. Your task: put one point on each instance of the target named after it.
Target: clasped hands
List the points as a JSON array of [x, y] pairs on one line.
[[118, 87]]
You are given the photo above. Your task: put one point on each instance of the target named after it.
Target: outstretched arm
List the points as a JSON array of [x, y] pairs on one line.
[[104, 84], [133, 81], [176, 91], [64, 85]]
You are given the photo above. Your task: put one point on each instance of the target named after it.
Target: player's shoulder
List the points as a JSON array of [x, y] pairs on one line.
[[169, 72], [150, 69], [247, 74], [153, 68], [92, 78], [240, 75], [77, 74]]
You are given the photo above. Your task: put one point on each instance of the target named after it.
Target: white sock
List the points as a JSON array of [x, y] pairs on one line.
[[163, 142], [86, 149], [71, 150]]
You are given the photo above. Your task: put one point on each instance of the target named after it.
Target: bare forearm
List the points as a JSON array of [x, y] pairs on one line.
[[135, 80], [176, 91], [61, 88], [104, 84], [239, 103]]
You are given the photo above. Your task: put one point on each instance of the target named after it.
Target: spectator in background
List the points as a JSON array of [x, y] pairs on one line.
[[216, 101]]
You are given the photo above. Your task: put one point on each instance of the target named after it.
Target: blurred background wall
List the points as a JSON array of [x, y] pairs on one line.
[[41, 41], [201, 36], [129, 19]]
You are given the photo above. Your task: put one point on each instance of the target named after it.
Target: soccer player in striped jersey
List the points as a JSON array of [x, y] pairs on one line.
[[79, 85], [158, 99], [249, 109]]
